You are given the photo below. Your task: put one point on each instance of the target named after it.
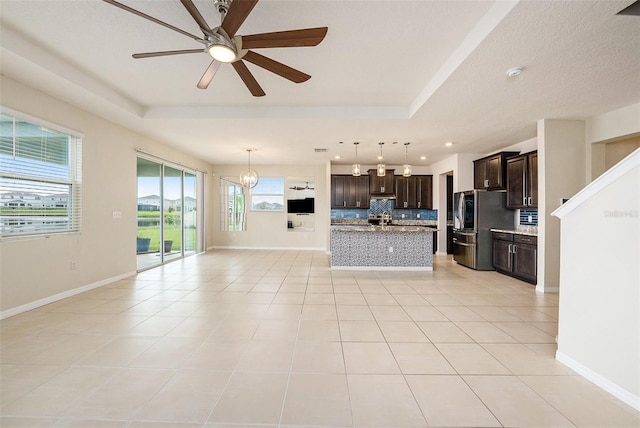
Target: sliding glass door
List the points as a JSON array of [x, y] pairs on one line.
[[168, 227]]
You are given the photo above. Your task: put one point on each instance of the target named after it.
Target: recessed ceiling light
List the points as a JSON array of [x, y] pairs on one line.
[[337, 156], [449, 143], [513, 72], [423, 157]]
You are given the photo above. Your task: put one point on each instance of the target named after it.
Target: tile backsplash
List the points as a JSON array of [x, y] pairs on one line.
[[378, 206], [524, 217]]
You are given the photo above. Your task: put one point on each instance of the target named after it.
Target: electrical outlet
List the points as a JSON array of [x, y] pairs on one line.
[[341, 215], [117, 214], [357, 215], [530, 219], [72, 265], [418, 215], [391, 249], [402, 216]]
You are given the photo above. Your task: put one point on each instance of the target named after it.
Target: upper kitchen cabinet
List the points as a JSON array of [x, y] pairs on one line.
[[382, 186], [348, 191], [414, 192], [522, 181], [489, 173]]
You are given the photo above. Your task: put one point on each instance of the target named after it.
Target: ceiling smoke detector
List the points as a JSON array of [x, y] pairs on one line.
[[513, 72]]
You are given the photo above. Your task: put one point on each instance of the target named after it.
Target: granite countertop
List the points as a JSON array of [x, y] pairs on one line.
[[520, 230], [365, 222], [392, 228]]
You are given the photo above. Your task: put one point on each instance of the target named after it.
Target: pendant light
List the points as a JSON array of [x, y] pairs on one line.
[[381, 169], [249, 178], [406, 168], [355, 168]]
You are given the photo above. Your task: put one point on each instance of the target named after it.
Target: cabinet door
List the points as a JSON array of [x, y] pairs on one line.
[[351, 192], [525, 261], [502, 255], [532, 180], [363, 191], [480, 174], [338, 197], [424, 192], [402, 193], [516, 182], [494, 172]]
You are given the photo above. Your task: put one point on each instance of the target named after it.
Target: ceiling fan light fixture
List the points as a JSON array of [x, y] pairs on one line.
[[249, 178], [221, 49]]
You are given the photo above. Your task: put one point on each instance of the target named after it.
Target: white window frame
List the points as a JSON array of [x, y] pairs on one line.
[[280, 194], [74, 181]]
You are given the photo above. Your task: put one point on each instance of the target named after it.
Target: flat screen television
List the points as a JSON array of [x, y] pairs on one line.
[[301, 206]]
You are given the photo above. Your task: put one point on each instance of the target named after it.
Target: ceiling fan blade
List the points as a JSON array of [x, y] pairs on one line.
[[195, 14], [285, 39], [206, 78], [276, 67], [152, 19], [165, 53], [248, 79], [238, 12]]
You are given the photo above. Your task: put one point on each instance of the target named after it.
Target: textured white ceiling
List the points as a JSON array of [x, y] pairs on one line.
[[421, 71]]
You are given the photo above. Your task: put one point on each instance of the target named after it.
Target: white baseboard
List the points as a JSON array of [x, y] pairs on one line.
[[599, 380], [388, 268], [47, 300]]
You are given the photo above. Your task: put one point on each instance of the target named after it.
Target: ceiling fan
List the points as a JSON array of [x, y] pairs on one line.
[[224, 45], [302, 188]]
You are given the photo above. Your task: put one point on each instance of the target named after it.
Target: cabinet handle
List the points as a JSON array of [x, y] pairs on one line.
[[509, 251], [344, 203], [381, 189], [529, 201], [514, 248], [524, 201], [486, 183], [419, 203]]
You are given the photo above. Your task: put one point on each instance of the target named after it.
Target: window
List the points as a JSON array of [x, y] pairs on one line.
[[40, 178], [268, 195]]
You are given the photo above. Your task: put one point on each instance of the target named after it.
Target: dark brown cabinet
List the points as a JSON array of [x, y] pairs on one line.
[[516, 255], [348, 191], [522, 181], [381, 186], [415, 192], [489, 173]]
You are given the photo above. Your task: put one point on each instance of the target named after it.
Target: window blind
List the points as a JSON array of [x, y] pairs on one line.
[[40, 179]]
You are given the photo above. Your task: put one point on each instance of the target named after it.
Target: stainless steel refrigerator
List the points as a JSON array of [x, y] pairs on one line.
[[475, 213]]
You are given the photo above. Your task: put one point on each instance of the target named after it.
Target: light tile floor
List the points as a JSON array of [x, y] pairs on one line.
[[275, 338]]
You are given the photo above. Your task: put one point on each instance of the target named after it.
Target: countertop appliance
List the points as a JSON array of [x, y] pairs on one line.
[[475, 212]]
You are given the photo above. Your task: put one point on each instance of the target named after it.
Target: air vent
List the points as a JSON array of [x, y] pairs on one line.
[[320, 150]]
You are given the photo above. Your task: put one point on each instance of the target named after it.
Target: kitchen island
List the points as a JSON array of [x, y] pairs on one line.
[[382, 247]]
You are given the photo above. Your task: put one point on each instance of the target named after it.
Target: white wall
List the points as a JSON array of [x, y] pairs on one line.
[[36, 269], [269, 229], [561, 174], [599, 317]]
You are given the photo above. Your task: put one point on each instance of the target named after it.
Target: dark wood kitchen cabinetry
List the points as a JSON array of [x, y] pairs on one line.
[[348, 191], [522, 181], [381, 186], [415, 192], [516, 255], [489, 173]]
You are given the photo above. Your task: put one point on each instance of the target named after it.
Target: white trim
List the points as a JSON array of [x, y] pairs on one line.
[[542, 289], [390, 268], [597, 379], [56, 297], [613, 174], [40, 122]]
